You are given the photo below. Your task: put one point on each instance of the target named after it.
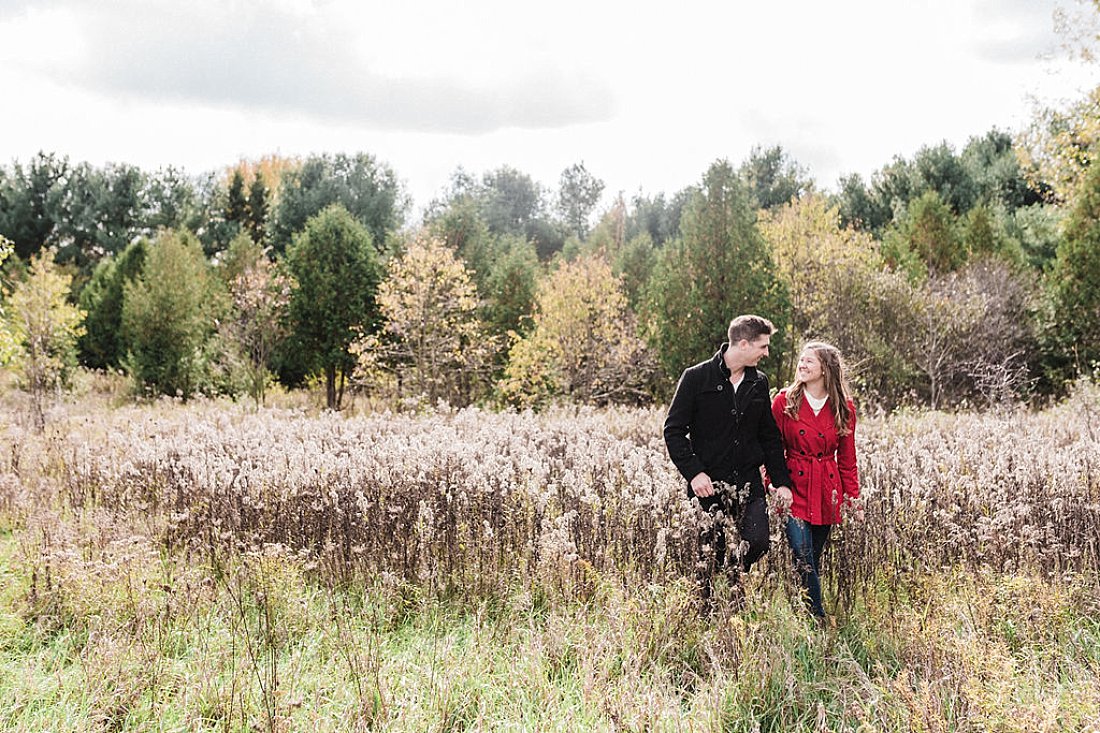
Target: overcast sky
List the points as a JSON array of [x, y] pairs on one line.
[[646, 94]]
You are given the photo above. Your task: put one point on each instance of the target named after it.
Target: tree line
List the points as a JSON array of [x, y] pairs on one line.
[[949, 278]]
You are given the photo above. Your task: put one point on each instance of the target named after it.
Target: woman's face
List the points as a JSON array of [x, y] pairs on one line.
[[809, 367]]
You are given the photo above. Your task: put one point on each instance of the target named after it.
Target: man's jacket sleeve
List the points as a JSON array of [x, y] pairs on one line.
[[678, 427]]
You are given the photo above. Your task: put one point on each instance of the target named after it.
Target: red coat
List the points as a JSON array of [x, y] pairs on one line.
[[822, 465]]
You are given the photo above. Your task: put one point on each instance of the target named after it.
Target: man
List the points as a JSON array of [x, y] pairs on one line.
[[720, 427]]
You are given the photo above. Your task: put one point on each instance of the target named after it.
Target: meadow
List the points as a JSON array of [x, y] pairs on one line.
[[207, 566]]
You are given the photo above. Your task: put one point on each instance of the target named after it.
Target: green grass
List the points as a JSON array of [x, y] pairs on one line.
[[163, 644]]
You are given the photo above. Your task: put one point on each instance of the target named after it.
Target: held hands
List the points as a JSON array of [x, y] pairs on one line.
[[783, 499], [702, 485]]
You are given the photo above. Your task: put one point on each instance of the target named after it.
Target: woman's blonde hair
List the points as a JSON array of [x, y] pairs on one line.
[[836, 385]]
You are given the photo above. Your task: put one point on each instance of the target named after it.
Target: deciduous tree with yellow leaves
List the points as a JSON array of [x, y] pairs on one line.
[[432, 337], [584, 345], [44, 327]]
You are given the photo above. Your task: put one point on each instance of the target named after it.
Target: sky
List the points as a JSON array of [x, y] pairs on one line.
[[645, 94]]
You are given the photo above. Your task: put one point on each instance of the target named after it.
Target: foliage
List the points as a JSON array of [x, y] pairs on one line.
[[718, 269], [336, 270], [938, 213], [102, 345], [87, 213], [366, 188], [1059, 147], [257, 209], [987, 171], [634, 264], [1075, 280], [99, 212], [609, 236], [840, 292], [7, 341], [1036, 230], [507, 202], [243, 254], [972, 336], [248, 197], [433, 337], [460, 227], [578, 193], [999, 179], [925, 238], [1080, 30], [168, 317], [503, 267], [772, 177], [236, 204], [980, 235], [858, 209], [28, 199], [632, 260], [510, 287], [45, 328], [172, 201], [259, 296], [583, 345], [656, 216]]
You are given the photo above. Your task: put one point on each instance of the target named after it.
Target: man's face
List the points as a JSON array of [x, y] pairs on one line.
[[753, 351]]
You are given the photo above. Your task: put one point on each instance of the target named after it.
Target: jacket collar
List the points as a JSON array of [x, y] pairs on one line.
[[751, 374]]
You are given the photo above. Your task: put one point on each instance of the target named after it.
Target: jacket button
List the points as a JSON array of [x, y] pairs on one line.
[[733, 412], [801, 432], [719, 388], [800, 473]]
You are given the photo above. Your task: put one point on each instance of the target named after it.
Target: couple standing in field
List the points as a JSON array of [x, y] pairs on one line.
[[723, 427]]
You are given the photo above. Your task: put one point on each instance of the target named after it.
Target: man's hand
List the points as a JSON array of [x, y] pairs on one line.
[[783, 498], [702, 485]]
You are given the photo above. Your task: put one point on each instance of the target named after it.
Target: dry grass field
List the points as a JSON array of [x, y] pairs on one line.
[[206, 566]]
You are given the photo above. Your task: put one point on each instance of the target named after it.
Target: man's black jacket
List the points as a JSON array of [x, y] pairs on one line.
[[729, 436]]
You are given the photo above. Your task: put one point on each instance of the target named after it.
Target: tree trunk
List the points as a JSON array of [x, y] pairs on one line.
[[330, 387]]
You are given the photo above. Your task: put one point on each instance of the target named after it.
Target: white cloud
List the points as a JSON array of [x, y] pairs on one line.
[[294, 60], [647, 94]]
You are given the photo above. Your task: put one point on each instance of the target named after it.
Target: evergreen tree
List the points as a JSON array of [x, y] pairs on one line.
[[719, 268], [363, 186], [169, 316], [1075, 281], [102, 345], [257, 210], [336, 269], [236, 205]]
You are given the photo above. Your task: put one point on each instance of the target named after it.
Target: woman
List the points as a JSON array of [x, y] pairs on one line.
[[817, 419]]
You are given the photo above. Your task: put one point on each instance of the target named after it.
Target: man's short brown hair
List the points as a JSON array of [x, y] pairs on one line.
[[749, 327]]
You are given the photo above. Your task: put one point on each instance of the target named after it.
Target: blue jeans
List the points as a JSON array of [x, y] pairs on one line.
[[808, 543]]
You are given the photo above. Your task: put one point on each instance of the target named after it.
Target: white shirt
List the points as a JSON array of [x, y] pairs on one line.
[[815, 404]]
